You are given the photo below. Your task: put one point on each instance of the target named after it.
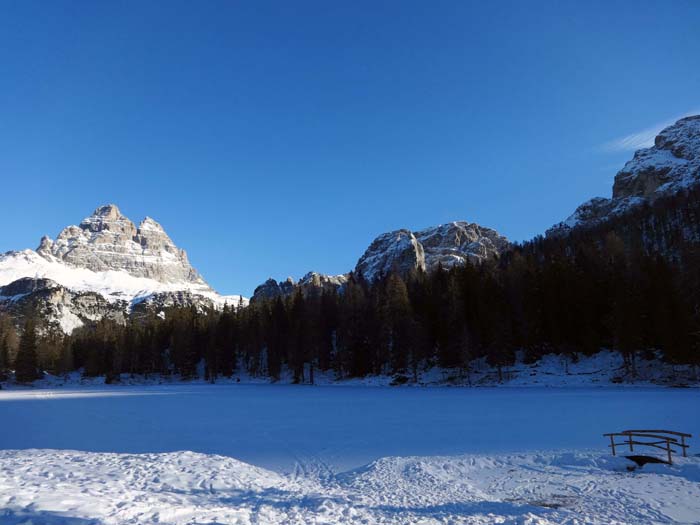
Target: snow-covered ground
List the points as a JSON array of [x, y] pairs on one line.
[[66, 487], [339, 454]]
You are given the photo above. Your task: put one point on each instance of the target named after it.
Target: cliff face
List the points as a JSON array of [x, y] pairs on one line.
[[446, 245]]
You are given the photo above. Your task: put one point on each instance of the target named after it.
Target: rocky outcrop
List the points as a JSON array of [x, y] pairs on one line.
[[311, 284], [398, 251], [456, 243], [669, 166], [271, 289], [107, 240], [58, 307], [445, 245]]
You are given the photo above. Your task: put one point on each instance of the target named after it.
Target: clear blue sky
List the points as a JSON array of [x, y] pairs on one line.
[[273, 138]]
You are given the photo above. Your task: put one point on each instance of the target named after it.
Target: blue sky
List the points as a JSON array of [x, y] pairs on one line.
[[274, 138]]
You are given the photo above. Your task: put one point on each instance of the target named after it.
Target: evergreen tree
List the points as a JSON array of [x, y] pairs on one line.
[[26, 367], [4, 355]]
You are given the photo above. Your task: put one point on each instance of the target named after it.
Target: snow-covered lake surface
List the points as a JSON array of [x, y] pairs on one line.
[[296, 454], [278, 427]]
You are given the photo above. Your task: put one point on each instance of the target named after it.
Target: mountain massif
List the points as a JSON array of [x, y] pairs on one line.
[[104, 267], [107, 266]]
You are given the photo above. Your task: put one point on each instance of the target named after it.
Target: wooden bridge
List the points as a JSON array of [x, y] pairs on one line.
[[664, 440]]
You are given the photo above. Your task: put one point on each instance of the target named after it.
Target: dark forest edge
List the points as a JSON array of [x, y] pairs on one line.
[[631, 285]]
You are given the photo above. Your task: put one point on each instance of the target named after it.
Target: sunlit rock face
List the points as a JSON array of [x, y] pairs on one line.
[[397, 251], [107, 240], [459, 242], [445, 245]]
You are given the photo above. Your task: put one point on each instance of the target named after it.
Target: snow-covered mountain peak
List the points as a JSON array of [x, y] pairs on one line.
[[108, 240], [109, 258], [148, 224], [669, 166], [107, 217], [672, 163]]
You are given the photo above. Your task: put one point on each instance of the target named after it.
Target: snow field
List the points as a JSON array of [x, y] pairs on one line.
[[67, 487]]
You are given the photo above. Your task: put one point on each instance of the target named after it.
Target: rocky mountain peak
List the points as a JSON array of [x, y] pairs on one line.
[[671, 163], [446, 245], [108, 217], [396, 251], [108, 240], [148, 224], [459, 242], [104, 267], [271, 289], [313, 283]]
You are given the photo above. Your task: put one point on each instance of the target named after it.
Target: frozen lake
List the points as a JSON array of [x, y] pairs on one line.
[[334, 428]]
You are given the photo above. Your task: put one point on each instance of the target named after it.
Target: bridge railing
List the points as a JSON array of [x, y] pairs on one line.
[[671, 442]]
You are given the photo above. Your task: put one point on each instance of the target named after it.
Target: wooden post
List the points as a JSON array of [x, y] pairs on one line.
[[629, 436], [683, 446], [612, 444], [668, 449]]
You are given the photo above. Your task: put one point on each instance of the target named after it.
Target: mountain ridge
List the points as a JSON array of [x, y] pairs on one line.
[[403, 251]]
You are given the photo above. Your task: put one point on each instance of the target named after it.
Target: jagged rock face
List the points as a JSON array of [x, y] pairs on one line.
[[457, 243], [271, 289], [398, 251], [319, 281], [312, 284], [107, 240], [671, 165], [63, 309], [57, 306], [445, 245]]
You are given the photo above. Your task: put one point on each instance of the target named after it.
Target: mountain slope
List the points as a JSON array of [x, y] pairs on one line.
[[671, 166]]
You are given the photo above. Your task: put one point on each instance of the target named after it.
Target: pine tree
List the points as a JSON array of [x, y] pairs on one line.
[[26, 362], [4, 355], [397, 320]]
